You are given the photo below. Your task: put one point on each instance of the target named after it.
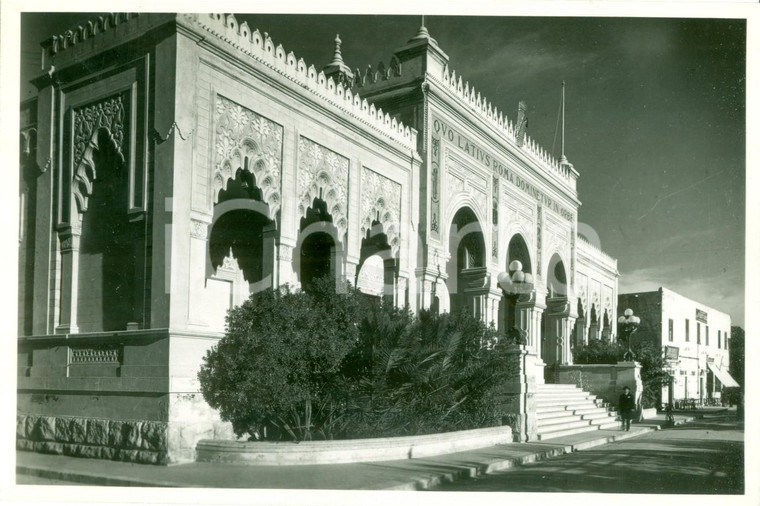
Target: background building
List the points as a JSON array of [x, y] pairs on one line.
[[694, 338]]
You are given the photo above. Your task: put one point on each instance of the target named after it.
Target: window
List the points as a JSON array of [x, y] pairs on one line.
[[687, 330], [719, 339], [670, 330], [707, 335], [699, 333]]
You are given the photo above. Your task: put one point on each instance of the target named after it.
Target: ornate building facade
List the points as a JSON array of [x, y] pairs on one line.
[[172, 164]]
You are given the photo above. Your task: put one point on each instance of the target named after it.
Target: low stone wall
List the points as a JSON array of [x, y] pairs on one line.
[[604, 380], [351, 450], [129, 440]]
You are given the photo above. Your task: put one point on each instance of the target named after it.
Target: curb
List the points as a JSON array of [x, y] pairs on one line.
[[415, 483], [91, 479], [500, 465]]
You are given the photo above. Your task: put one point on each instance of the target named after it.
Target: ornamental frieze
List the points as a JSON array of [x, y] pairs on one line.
[[108, 116], [323, 174], [248, 141], [381, 201]]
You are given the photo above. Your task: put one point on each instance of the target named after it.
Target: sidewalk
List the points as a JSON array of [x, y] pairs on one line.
[[410, 474]]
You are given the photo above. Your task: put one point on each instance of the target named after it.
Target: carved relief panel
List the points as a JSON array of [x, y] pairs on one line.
[[461, 178], [381, 201], [323, 174], [582, 291], [248, 141], [97, 127]]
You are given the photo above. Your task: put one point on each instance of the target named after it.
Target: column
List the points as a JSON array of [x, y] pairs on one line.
[[70, 238], [528, 310], [269, 255], [400, 293]]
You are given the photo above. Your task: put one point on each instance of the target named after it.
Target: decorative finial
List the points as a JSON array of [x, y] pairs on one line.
[[337, 56], [336, 68], [422, 33]]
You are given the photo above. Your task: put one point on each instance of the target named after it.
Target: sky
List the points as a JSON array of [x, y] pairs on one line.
[[655, 121]]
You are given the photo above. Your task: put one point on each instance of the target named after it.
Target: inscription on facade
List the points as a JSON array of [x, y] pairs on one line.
[[445, 131]]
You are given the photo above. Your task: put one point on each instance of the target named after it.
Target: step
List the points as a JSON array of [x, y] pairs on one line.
[[566, 400], [548, 415], [612, 425], [570, 406], [567, 432], [552, 397], [553, 423], [560, 408], [557, 386], [590, 410], [565, 425], [593, 417]]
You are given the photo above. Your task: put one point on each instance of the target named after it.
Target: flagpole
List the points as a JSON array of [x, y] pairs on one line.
[[563, 159]]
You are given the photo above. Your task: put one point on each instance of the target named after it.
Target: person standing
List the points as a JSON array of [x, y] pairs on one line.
[[627, 407]]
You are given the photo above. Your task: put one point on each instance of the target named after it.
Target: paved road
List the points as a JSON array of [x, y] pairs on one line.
[[703, 457]]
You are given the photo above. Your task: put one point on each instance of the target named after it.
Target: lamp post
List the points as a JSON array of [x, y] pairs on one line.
[[629, 324]]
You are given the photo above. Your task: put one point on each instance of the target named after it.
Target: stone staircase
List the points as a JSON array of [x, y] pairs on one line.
[[562, 410]]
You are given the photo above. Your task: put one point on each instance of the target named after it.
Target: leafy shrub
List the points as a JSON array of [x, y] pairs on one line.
[[277, 365], [328, 365]]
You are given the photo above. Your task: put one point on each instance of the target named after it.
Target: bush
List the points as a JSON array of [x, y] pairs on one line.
[[328, 365], [424, 375], [277, 365]]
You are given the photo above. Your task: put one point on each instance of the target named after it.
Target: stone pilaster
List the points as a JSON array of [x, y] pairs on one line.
[[520, 403], [69, 281]]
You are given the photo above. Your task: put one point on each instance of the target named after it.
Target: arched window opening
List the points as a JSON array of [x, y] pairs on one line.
[[467, 250], [242, 232], [318, 244], [107, 298], [376, 273]]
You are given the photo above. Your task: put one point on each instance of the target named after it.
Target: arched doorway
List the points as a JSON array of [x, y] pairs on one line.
[[467, 263], [557, 324], [517, 250], [318, 251], [377, 270]]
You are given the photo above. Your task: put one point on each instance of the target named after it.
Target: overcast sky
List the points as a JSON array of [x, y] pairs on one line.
[[654, 121]]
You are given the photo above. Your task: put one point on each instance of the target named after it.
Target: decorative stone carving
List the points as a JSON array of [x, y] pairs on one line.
[[248, 141], [454, 185], [198, 229], [539, 238], [229, 263], [285, 253], [109, 114], [323, 174], [97, 354], [495, 219], [381, 201], [582, 291], [435, 173], [480, 198]]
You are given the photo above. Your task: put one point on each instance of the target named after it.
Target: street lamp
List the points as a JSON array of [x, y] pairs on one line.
[[629, 324]]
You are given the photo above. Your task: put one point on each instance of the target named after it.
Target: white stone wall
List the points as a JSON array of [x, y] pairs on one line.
[[691, 368], [596, 283]]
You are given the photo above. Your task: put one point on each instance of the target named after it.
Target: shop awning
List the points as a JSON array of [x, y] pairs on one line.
[[723, 376]]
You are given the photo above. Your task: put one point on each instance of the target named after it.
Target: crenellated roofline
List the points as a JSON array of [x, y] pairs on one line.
[[262, 48], [584, 242]]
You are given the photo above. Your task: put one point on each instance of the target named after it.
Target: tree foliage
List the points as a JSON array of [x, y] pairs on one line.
[[736, 354], [278, 363]]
